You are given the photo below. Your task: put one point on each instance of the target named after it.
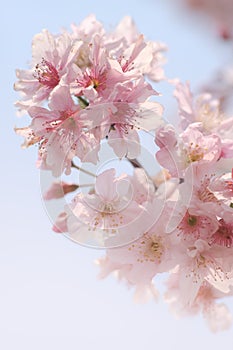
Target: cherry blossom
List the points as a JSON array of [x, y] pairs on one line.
[[134, 52], [205, 110], [60, 225], [191, 223], [220, 12], [202, 108], [60, 130], [216, 314], [92, 94], [58, 190], [110, 212], [201, 263], [140, 261], [51, 66], [177, 152]]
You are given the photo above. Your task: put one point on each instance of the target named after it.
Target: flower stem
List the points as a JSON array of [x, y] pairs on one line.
[[83, 102], [81, 169], [135, 163], [86, 185]]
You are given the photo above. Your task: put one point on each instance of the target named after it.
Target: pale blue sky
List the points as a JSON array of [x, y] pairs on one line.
[[50, 297]]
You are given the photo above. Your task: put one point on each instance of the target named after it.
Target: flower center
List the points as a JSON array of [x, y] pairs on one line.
[[201, 261], [46, 74], [106, 208], [154, 247], [224, 235], [190, 226], [149, 248], [192, 220], [205, 195], [195, 153]]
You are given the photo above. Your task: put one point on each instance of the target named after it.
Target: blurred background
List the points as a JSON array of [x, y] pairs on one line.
[[50, 296]]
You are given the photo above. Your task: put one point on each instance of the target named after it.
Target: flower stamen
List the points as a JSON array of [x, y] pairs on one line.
[[46, 74]]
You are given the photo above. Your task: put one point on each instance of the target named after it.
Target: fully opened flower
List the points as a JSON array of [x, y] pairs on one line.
[[198, 193], [191, 223], [201, 263], [110, 213], [134, 52], [126, 111], [100, 76], [178, 152], [138, 263], [61, 134], [51, 66]]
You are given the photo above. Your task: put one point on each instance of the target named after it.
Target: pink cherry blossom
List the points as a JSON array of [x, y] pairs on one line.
[[60, 129], [192, 146], [113, 95], [120, 118], [223, 185], [220, 12], [196, 192], [143, 188], [86, 29], [192, 224], [60, 225], [110, 214], [216, 314], [202, 108], [59, 189], [101, 74], [134, 53], [201, 263], [52, 62], [220, 86], [205, 110], [224, 235], [29, 136], [140, 261]]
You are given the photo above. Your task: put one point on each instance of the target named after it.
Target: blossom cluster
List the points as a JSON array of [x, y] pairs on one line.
[[89, 87], [86, 86]]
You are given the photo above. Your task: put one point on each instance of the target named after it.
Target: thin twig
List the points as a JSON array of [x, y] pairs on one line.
[[81, 169], [86, 185], [136, 164], [82, 102]]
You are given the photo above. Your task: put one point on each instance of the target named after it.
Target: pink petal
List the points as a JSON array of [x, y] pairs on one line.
[[106, 186]]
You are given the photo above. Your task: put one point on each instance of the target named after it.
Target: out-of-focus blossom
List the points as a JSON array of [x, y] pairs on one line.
[[60, 225], [59, 189], [220, 11], [216, 314]]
